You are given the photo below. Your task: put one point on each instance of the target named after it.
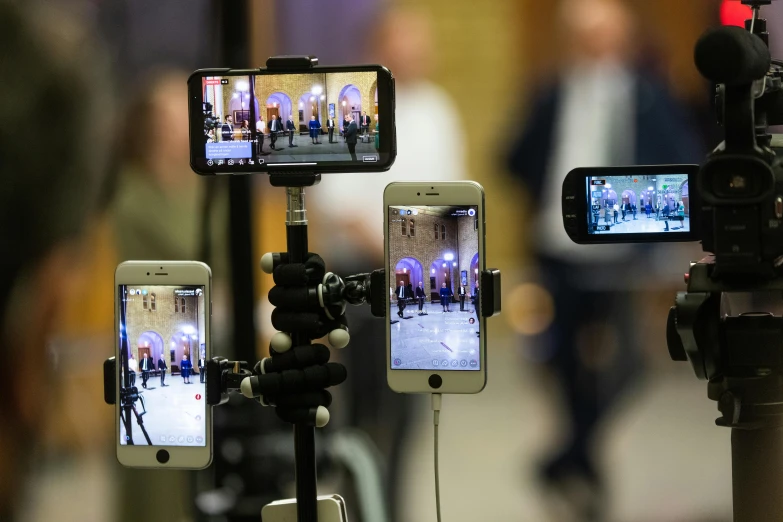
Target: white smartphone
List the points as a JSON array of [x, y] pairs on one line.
[[435, 336], [163, 311]]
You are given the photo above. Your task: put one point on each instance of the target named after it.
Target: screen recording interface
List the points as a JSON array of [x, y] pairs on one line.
[[638, 204], [433, 287], [291, 119], [162, 340]]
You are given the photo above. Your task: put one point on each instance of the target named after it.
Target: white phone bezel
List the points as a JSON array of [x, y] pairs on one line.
[[178, 273], [448, 193]]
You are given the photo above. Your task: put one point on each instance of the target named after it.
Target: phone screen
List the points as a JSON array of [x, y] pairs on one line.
[[638, 204], [434, 287], [162, 354], [291, 120]]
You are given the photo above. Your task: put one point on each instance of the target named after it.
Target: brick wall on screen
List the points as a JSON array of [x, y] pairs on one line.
[[423, 246], [164, 320]]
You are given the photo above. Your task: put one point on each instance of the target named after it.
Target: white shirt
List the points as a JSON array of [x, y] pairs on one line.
[[260, 126], [133, 365], [594, 128]]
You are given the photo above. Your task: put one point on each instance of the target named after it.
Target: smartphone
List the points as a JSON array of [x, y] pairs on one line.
[[163, 342], [324, 119], [435, 336], [632, 204]]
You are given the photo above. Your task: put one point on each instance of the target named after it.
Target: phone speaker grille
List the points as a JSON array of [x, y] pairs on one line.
[[161, 273], [432, 193]]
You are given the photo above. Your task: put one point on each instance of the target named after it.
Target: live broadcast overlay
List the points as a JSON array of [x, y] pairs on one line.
[[291, 118], [166, 361], [638, 204], [434, 287]]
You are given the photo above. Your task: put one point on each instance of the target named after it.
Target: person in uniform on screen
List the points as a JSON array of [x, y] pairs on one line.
[[274, 128], [350, 137], [227, 130], [346, 121], [291, 128], [462, 293]]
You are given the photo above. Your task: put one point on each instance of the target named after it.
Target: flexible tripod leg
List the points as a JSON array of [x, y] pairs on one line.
[[757, 473]]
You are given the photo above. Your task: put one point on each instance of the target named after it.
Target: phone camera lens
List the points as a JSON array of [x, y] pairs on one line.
[[418, 193], [148, 273]]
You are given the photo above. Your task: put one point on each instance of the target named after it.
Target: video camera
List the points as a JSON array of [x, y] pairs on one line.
[[736, 201], [736, 211]]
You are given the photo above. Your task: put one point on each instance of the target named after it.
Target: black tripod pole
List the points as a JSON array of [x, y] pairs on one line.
[[304, 434], [757, 474]]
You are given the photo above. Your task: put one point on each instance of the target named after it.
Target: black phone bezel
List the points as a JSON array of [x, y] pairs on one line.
[[386, 111], [576, 200]]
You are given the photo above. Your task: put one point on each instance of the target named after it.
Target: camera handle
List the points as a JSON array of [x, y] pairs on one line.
[[742, 359]]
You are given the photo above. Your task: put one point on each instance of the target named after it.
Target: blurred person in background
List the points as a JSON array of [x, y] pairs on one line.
[[51, 72], [349, 221], [165, 211], [599, 111]]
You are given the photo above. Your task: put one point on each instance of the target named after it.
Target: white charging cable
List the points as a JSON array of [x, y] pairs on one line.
[[436, 402]]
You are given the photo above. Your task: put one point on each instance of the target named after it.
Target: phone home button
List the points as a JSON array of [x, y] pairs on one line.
[[435, 381], [162, 456]]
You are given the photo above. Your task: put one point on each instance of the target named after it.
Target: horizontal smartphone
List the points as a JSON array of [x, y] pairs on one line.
[[163, 342], [435, 339], [632, 204], [323, 119]]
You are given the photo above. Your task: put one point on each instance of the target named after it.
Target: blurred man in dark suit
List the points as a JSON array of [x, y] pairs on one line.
[[227, 130], [202, 367], [632, 120], [162, 367], [350, 137], [346, 121]]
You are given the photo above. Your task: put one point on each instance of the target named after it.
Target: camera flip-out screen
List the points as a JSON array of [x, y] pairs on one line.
[[625, 204]]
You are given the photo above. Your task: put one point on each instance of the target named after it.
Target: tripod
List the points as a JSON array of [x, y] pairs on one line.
[[742, 358], [129, 396]]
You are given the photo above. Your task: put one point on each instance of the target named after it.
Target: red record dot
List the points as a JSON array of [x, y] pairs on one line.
[[198, 396]]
